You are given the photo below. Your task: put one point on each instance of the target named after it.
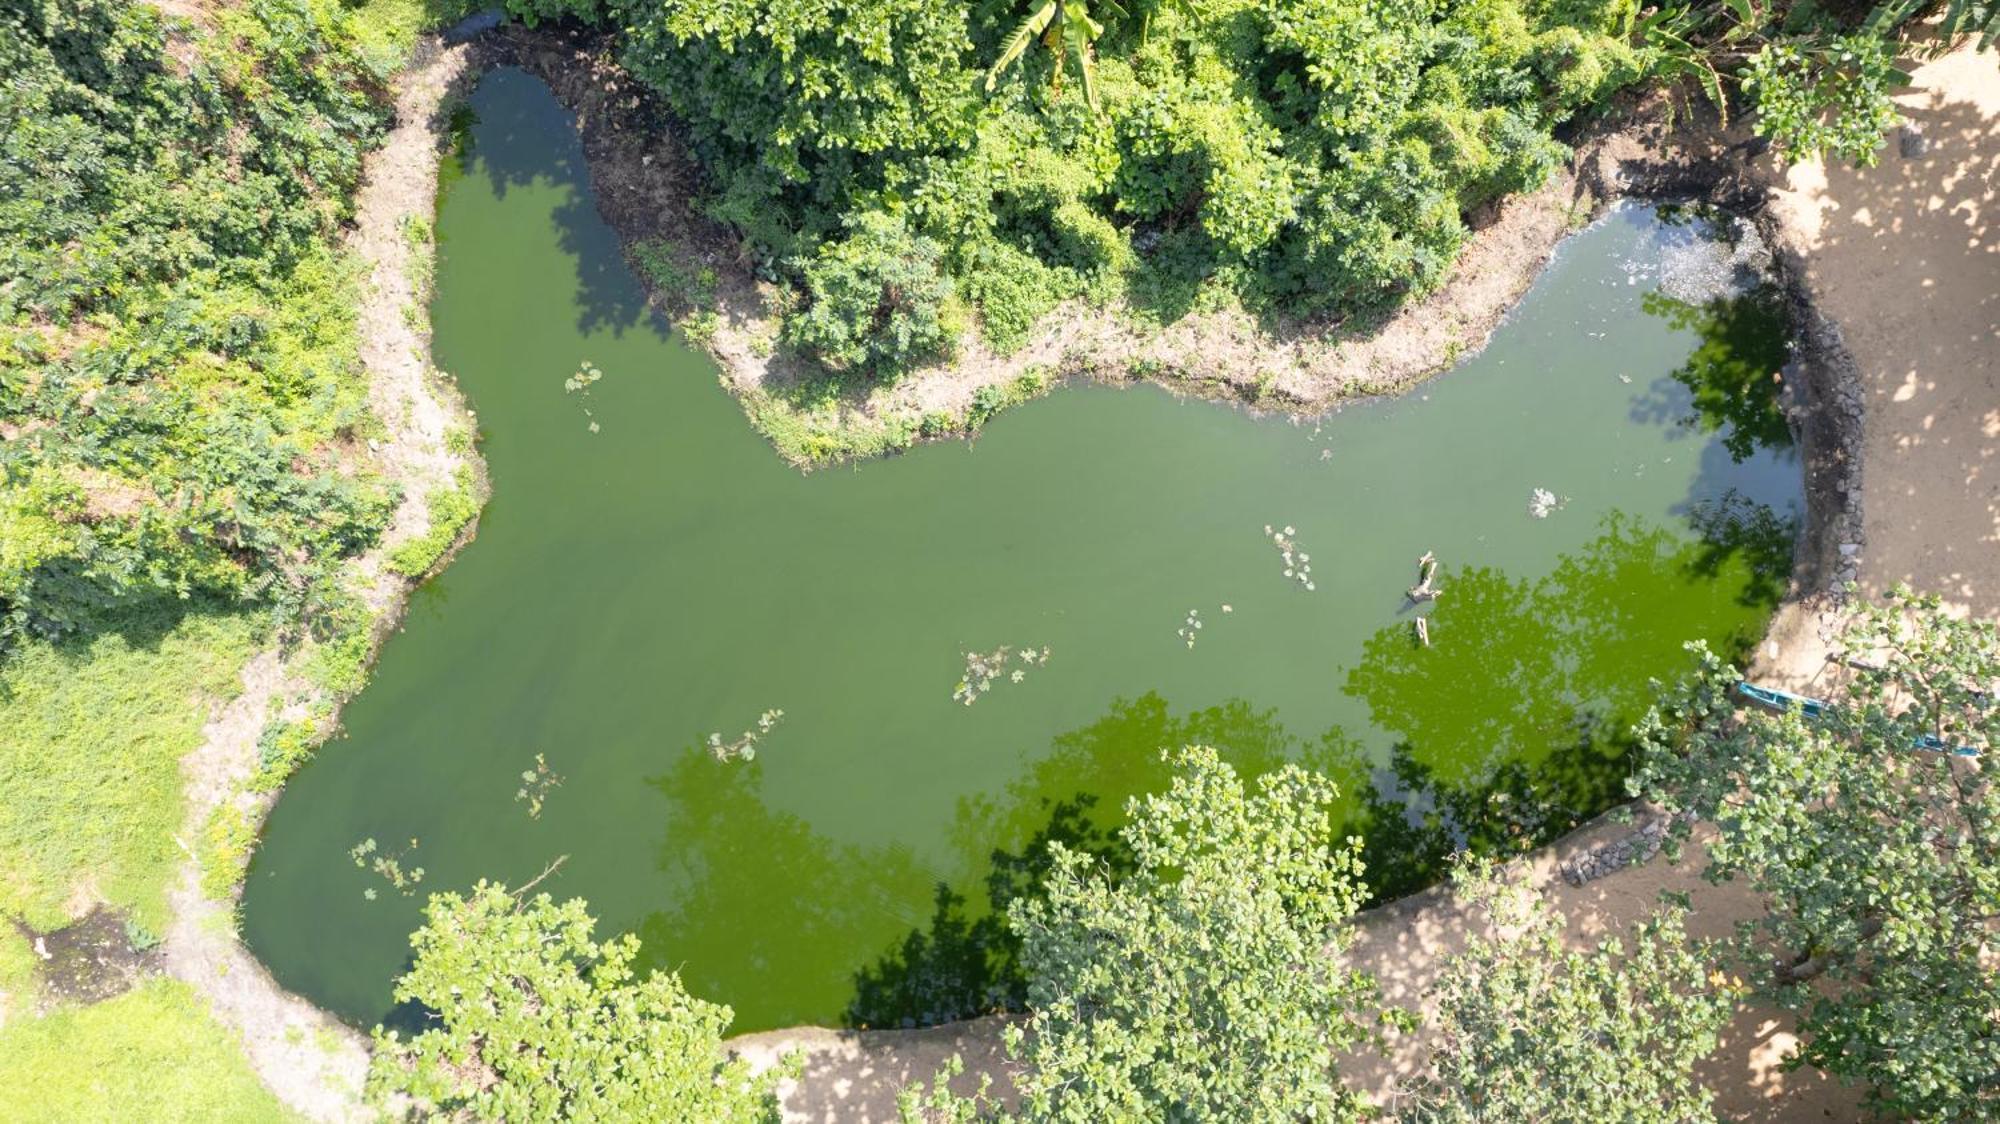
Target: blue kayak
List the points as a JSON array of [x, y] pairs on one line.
[[1773, 699]]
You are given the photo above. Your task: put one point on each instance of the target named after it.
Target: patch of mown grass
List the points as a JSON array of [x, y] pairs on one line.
[[92, 732], [17, 973], [152, 1053]]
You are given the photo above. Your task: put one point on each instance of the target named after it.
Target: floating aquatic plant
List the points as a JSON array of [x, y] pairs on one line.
[[585, 377], [535, 786], [1192, 625], [744, 746], [983, 669], [368, 856], [1298, 564]]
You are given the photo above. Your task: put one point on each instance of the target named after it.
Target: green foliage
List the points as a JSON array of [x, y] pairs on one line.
[[153, 1053], [451, 509], [536, 1020], [1199, 986], [1825, 98], [1293, 155], [814, 95], [1818, 76], [177, 359], [1528, 1029], [224, 850], [1880, 860], [92, 732], [1066, 29], [284, 746], [875, 300]]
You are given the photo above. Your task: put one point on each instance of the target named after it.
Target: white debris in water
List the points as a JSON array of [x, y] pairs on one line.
[[1298, 564], [1703, 259], [1541, 502], [983, 669], [1190, 627]]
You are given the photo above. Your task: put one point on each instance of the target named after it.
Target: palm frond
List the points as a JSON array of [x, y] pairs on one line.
[[1017, 42]]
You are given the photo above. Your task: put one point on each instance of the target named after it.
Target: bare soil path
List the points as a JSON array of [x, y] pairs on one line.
[[312, 1062]]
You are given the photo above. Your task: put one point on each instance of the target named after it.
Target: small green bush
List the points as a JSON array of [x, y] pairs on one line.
[[875, 299], [451, 508]]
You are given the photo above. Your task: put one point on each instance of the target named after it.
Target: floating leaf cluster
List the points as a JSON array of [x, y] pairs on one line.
[[983, 668], [1298, 564], [743, 747], [586, 376], [535, 786], [1191, 626], [367, 856]]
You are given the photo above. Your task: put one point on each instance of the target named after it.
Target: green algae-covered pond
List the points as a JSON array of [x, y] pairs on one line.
[[637, 589]]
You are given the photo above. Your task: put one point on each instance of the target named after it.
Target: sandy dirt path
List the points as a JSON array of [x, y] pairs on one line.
[[1905, 259], [313, 1063]]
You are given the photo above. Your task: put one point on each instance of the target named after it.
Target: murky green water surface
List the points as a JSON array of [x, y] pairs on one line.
[[636, 589]]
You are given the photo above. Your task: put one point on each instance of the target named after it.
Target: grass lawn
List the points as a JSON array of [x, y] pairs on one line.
[[92, 731], [151, 1054]]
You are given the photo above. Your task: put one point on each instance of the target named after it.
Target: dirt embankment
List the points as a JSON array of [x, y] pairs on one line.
[[314, 1063], [646, 184]]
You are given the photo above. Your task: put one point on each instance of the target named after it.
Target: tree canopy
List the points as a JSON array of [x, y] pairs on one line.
[[178, 381], [1530, 1029], [536, 1020], [1294, 157], [1200, 986], [1879, 857]]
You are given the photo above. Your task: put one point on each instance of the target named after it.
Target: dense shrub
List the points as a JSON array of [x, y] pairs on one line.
[[1302, 154], [1295, 155], [176, 335], [875, 299]]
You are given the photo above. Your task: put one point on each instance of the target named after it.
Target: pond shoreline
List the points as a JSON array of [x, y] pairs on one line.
[[644, 184], [319, 1075], [314, 1063]]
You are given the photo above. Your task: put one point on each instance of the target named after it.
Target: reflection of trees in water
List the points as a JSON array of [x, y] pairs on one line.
[[754, 888], [1509, 731], [1512, 728], [964, 960], [1740, 536], [1732, 372], [1412, 826], [1517, 667]]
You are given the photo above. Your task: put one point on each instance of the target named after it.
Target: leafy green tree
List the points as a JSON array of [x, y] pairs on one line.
[[1825, 96], [177, 365], [1529, 1029], [1879, 858], [1203, 984], [535, 1020], [876, 300]]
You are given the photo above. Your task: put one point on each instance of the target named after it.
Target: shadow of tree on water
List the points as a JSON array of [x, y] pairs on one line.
[[1729, 380], [965, 960]]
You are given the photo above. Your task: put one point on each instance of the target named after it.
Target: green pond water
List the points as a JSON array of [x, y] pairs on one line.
[[635, 590]]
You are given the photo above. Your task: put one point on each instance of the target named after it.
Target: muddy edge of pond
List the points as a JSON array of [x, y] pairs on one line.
[[645, 184]]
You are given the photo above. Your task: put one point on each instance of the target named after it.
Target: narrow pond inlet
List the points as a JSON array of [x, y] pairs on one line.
[[979, 647]]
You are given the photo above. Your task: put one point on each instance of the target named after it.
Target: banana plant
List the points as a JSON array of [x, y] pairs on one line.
[[1067, 30], [1686, 42]]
